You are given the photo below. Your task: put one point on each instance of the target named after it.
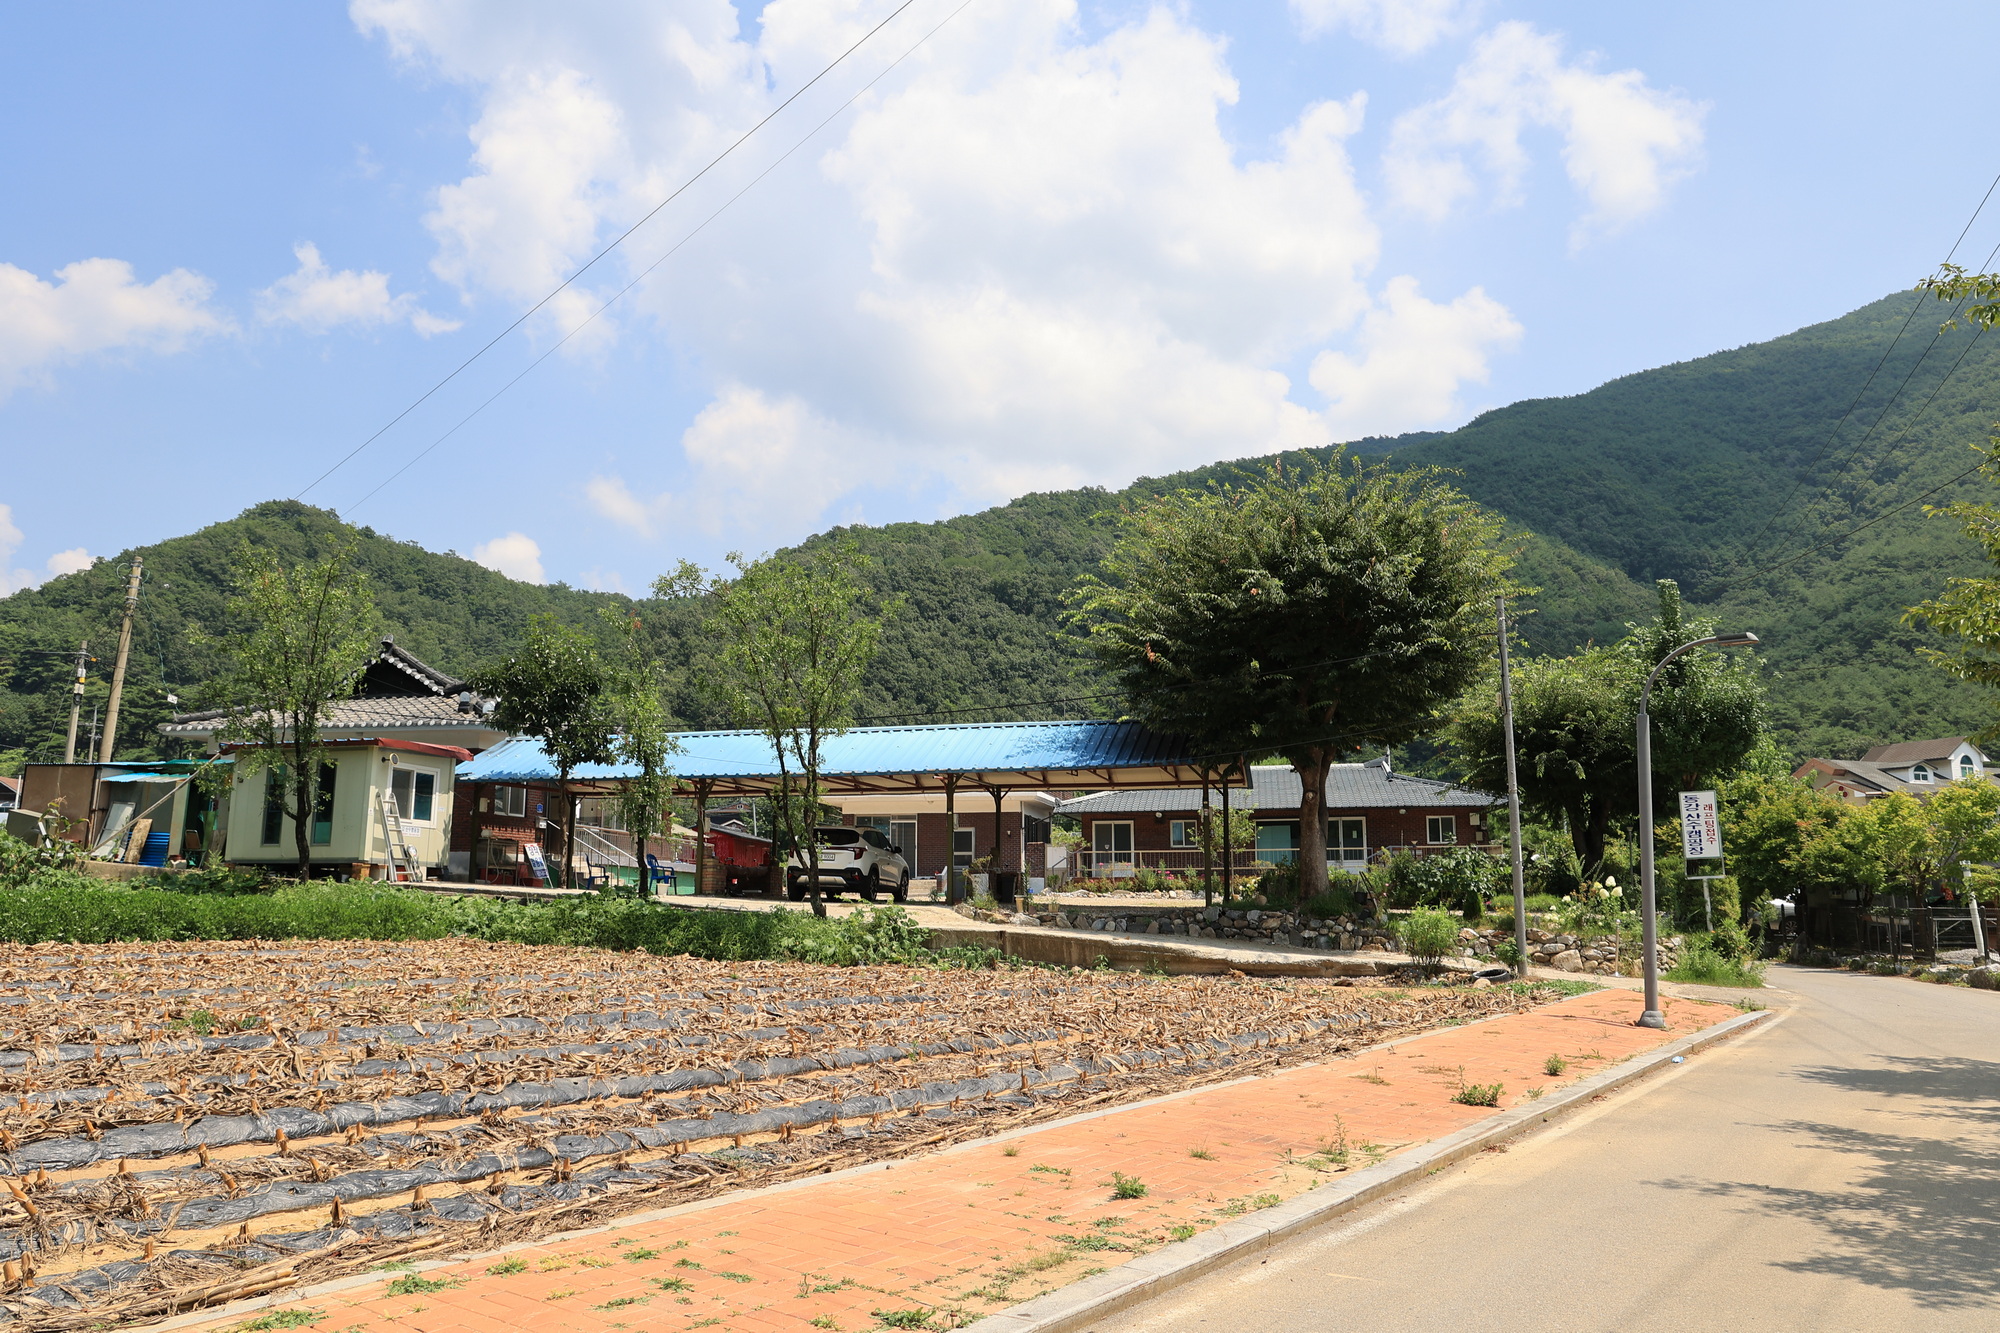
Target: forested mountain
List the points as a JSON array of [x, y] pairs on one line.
[[1727, 473]]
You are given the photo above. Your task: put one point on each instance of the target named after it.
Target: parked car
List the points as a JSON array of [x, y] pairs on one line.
[[861, 859]]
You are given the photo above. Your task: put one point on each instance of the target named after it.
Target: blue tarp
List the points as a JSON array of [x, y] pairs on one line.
[[1045, 755]]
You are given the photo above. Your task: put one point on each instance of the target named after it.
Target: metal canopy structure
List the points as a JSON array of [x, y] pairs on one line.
[[1047, 756]]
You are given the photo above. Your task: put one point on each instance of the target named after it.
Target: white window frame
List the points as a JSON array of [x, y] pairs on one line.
[[1967, 768], [1184, 834], [1920, 773], [509, 803], [406, 809], [1105, 851], [1336, 854], [1431, 823]]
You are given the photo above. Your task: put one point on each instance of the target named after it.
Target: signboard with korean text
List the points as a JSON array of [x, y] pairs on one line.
[[536, 862], [1701, 830]]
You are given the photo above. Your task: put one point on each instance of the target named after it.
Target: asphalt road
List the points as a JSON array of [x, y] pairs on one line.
[[1838, 1170]]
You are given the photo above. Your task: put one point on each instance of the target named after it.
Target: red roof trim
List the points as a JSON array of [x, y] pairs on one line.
[[452, 752]]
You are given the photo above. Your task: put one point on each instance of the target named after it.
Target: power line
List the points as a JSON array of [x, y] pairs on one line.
[[566, 282], [648, 271], [1754, 543]]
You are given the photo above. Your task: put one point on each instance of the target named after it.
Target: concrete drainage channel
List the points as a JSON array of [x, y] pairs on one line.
[[1076, 1306]]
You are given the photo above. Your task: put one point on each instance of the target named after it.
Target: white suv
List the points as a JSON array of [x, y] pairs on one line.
[[853, 858]]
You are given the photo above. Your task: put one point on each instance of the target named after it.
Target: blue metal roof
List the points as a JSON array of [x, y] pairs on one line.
[[1047, 755]]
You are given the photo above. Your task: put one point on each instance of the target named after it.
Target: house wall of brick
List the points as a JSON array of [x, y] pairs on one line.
[[1386, 827]]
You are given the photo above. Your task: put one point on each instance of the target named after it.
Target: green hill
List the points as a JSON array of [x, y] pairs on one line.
[[1708, 471]]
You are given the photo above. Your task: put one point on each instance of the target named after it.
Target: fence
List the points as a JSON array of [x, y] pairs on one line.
[[1187, 861], [1912, 932]]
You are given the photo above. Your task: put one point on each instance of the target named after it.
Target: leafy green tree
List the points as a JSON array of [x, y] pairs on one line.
[[645, 739], [1310, 615], [302, 634], [557, 689], [1766, 823], [796, 635], [1576, 719]]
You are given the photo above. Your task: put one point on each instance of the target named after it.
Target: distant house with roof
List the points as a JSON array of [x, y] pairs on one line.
[[398, 697], [1915, 767], [1370, 809]]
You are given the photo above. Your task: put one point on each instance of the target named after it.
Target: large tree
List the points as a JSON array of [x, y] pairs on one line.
[[301, 635], [1322, 610], [557, 689], [1576, 719], [796, 634]]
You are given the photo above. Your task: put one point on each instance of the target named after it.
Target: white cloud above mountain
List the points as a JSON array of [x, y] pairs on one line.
[[1624, 141], [13, 580], [96, 306], [1032, 257], [317, 299], [516, 555]]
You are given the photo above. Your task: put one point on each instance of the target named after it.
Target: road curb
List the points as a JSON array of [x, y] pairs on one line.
[[1075, 1306]]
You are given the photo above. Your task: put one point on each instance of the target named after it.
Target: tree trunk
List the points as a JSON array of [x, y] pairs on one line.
[[639, 842], [1312, 823], [302, 796], [1207, 845], [565, 829]]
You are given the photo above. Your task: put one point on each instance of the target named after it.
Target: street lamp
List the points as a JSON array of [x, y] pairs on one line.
[[1653, 1018]]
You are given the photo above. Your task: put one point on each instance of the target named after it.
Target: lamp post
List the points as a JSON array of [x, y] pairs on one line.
[[1653, 1018]]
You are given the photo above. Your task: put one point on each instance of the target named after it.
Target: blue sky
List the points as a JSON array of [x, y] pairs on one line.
[[1052, 246]]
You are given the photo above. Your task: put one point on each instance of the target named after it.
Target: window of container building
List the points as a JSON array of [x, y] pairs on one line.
[[322, 826], [416, 793]]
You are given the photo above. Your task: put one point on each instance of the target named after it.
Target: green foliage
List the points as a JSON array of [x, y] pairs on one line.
[[1480, 1094], [795, 640], [221, 879], [1323, 607], [1428, 935], [1127, 1187], [1457, 880], [644, 740], [22, 862], [300, 637], [883, 935], [1701, 965]]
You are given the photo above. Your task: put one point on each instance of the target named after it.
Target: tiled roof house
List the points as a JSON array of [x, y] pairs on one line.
[[1915, 767]]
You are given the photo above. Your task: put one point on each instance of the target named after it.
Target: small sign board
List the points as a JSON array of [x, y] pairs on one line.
[[536, 862], [1701, 830]]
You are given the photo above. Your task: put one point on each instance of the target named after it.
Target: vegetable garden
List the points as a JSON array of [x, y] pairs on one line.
[[183, 1124]]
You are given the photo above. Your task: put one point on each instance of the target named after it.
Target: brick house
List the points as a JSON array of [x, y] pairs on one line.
[[1371, 809], [918, 824]]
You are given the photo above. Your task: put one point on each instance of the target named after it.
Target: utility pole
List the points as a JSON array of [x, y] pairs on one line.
[[1513, 801], [76, 701], [118, 672]]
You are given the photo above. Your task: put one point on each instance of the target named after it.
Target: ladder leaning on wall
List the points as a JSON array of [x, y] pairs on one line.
[[402, 856]]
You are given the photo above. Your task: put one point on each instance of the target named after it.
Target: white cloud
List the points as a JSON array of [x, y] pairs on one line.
[[14, 580], [1404, 27], [1624, 142], [95, 305], [1032, 257], [1416, 355], [316, 299], [516, 555]]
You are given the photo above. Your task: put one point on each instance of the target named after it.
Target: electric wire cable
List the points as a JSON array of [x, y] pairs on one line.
[[613, 299], [619, 240]]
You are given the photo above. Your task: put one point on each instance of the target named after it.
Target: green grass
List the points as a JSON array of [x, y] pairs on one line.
[[413, 1285], [1700, 966], [60, 906], [279, 1319], [506, 1266]]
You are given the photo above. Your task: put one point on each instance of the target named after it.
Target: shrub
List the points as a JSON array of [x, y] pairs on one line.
[[1457, 880], [1279, 885], [1730, 940], [1127, 1187], [214, 879], [1701, 966], [21, 862], [1338, 900], [1480, 1094], [1428, 935], [1508, 952], [1543, 902]]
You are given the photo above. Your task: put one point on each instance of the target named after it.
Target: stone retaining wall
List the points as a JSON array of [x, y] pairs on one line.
[[1567, 953]]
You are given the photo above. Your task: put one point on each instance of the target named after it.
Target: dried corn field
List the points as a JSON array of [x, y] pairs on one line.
[[187, 1124]]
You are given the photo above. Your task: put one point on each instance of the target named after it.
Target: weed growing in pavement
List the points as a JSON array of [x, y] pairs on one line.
[[1092, 1272], [1592, 1054], [1127, 1187], [507, 1266], [413, 1285], [1180, 1233], [1750, 1004], [1266, 1201], [1554, 1065], [1110, 1223], [395, 1266], [1534, 1094], [1371, 1077], [634, 1256], [1011, 1150], [1050, 1170], [1480, 1094], [671, 1283], [903, 1318], [1202, 1153], [280, 1319], [594, 1261], [551, 1264], [686, 1263], [620, 1302], [733, 1277], [824, 1321]]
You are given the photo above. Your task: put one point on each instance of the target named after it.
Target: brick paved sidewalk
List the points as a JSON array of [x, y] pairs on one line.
[[963, 1233]]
